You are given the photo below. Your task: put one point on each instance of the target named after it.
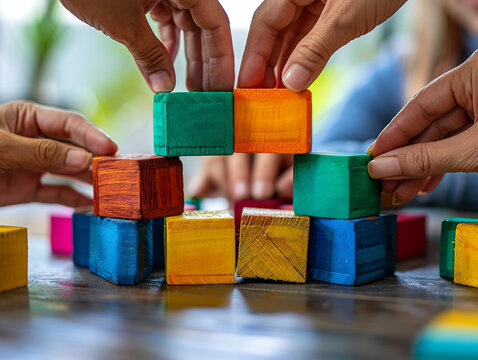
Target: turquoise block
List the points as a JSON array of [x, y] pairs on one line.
[[446, 344], [81, 238], [121, 250], [335, 186], [195, 123]]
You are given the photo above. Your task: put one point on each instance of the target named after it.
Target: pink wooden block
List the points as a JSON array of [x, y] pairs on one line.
[[286, 207], [189, 207], [61, 233]]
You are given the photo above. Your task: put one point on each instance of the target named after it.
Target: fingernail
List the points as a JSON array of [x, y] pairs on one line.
[[384, 167], [77, 158], [370, 149], [161, 81], [422, 193], [261, 190], [240, 190], [395, 200], [297, 78]]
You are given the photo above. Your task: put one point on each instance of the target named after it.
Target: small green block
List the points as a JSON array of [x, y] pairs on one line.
[[195, 123], [335, 186], [447, 245]]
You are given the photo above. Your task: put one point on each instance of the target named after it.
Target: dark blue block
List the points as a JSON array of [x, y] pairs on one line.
[[348, 252], [158, 242], [391, 238], [81, 238], [121, 251]]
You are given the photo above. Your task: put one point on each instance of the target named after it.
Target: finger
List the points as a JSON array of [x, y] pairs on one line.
[[239, 170], [407, 190], [206, 66], [85, 177], [265, 171], [431, 183], [285, 184], [168, 31], [212, 179], [33, 120], [64, 195], [389, 186]]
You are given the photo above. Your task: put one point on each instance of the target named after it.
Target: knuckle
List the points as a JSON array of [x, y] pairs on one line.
[[421, 160], [47, 153], [150, 58], [314, 50]]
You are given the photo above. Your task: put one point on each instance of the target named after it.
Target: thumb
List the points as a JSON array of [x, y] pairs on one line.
[[42, 155], [454, 154]]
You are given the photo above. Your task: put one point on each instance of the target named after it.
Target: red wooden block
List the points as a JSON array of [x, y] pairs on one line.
[[411, 236], [253, 203], [137, 186]]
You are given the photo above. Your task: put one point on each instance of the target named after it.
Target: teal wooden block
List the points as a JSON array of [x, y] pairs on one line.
[[195, 123], [335, 186], [447, 245]]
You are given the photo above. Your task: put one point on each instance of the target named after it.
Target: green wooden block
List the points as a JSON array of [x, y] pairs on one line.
[[447, 245], [195, 123], [335, 186]]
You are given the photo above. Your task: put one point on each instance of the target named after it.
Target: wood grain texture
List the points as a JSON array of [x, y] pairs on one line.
[[81, 238], [61, 237], [193, 123], [272, 121], [200, 248], [335, 186], [411, 236], [137, 186], [121, 250], [466, 255], [13, 257], [273, 245], [447, 244], [273, 203], [349, 252]]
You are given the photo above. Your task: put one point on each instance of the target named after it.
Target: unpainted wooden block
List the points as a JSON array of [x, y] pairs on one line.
[[137, 186], [272, 121], [447, 244], [273, 203], [200, 248], [81, 238], [351, 252], [411, 236], [466, 255], [193, 123], [13, 257], [121, 250], [273, 245], [335, 186], [61, 237]]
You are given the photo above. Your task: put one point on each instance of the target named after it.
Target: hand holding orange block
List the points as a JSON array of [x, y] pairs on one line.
[[272, 121]]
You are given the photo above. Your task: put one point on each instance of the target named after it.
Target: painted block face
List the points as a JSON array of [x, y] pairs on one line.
[[61, 233], [193, 123], [13, 257], [137, 186], [200, 248], [273, 245], [81, 238], [350, 252], [121, 250], [335, 186], [411, 236], [447, 244], [273, 203], [272, 121], [390, 223], [158, 243], [466, 255]]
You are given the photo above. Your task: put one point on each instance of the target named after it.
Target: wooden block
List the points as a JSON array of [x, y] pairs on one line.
[[390, 222], [411, 236], [193, 123], [137, 186], [81, 238], [286, 207], [200, 248], [466, 255], [13, 257], [273, 203], [335, 186], [272, 121], [447, 244], [273, 245], [195, 202], [189, 207], [451, 335], [349, 252], [61, 232], [121, 250], [158, 243]]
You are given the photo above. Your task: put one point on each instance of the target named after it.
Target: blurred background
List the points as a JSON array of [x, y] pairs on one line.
[[49, 56]]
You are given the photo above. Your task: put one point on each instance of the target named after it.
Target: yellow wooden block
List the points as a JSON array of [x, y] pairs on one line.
[[273, 245], [13, 257], [200, 248], [466, 255], [456, 320]]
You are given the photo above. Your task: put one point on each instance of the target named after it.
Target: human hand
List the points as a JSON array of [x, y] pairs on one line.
[[290, 41], [242, 176], [435, 133], [207, 38]]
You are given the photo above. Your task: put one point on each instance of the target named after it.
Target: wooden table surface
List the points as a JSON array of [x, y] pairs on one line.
[[68, 313]]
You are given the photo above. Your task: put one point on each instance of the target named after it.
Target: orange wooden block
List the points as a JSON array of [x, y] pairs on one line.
[[137, 186], [272, 121]]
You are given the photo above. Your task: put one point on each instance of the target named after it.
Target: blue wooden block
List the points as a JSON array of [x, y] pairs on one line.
[[158, 243], [349, 252], [390, 223], [81, 238], [121, 251]]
